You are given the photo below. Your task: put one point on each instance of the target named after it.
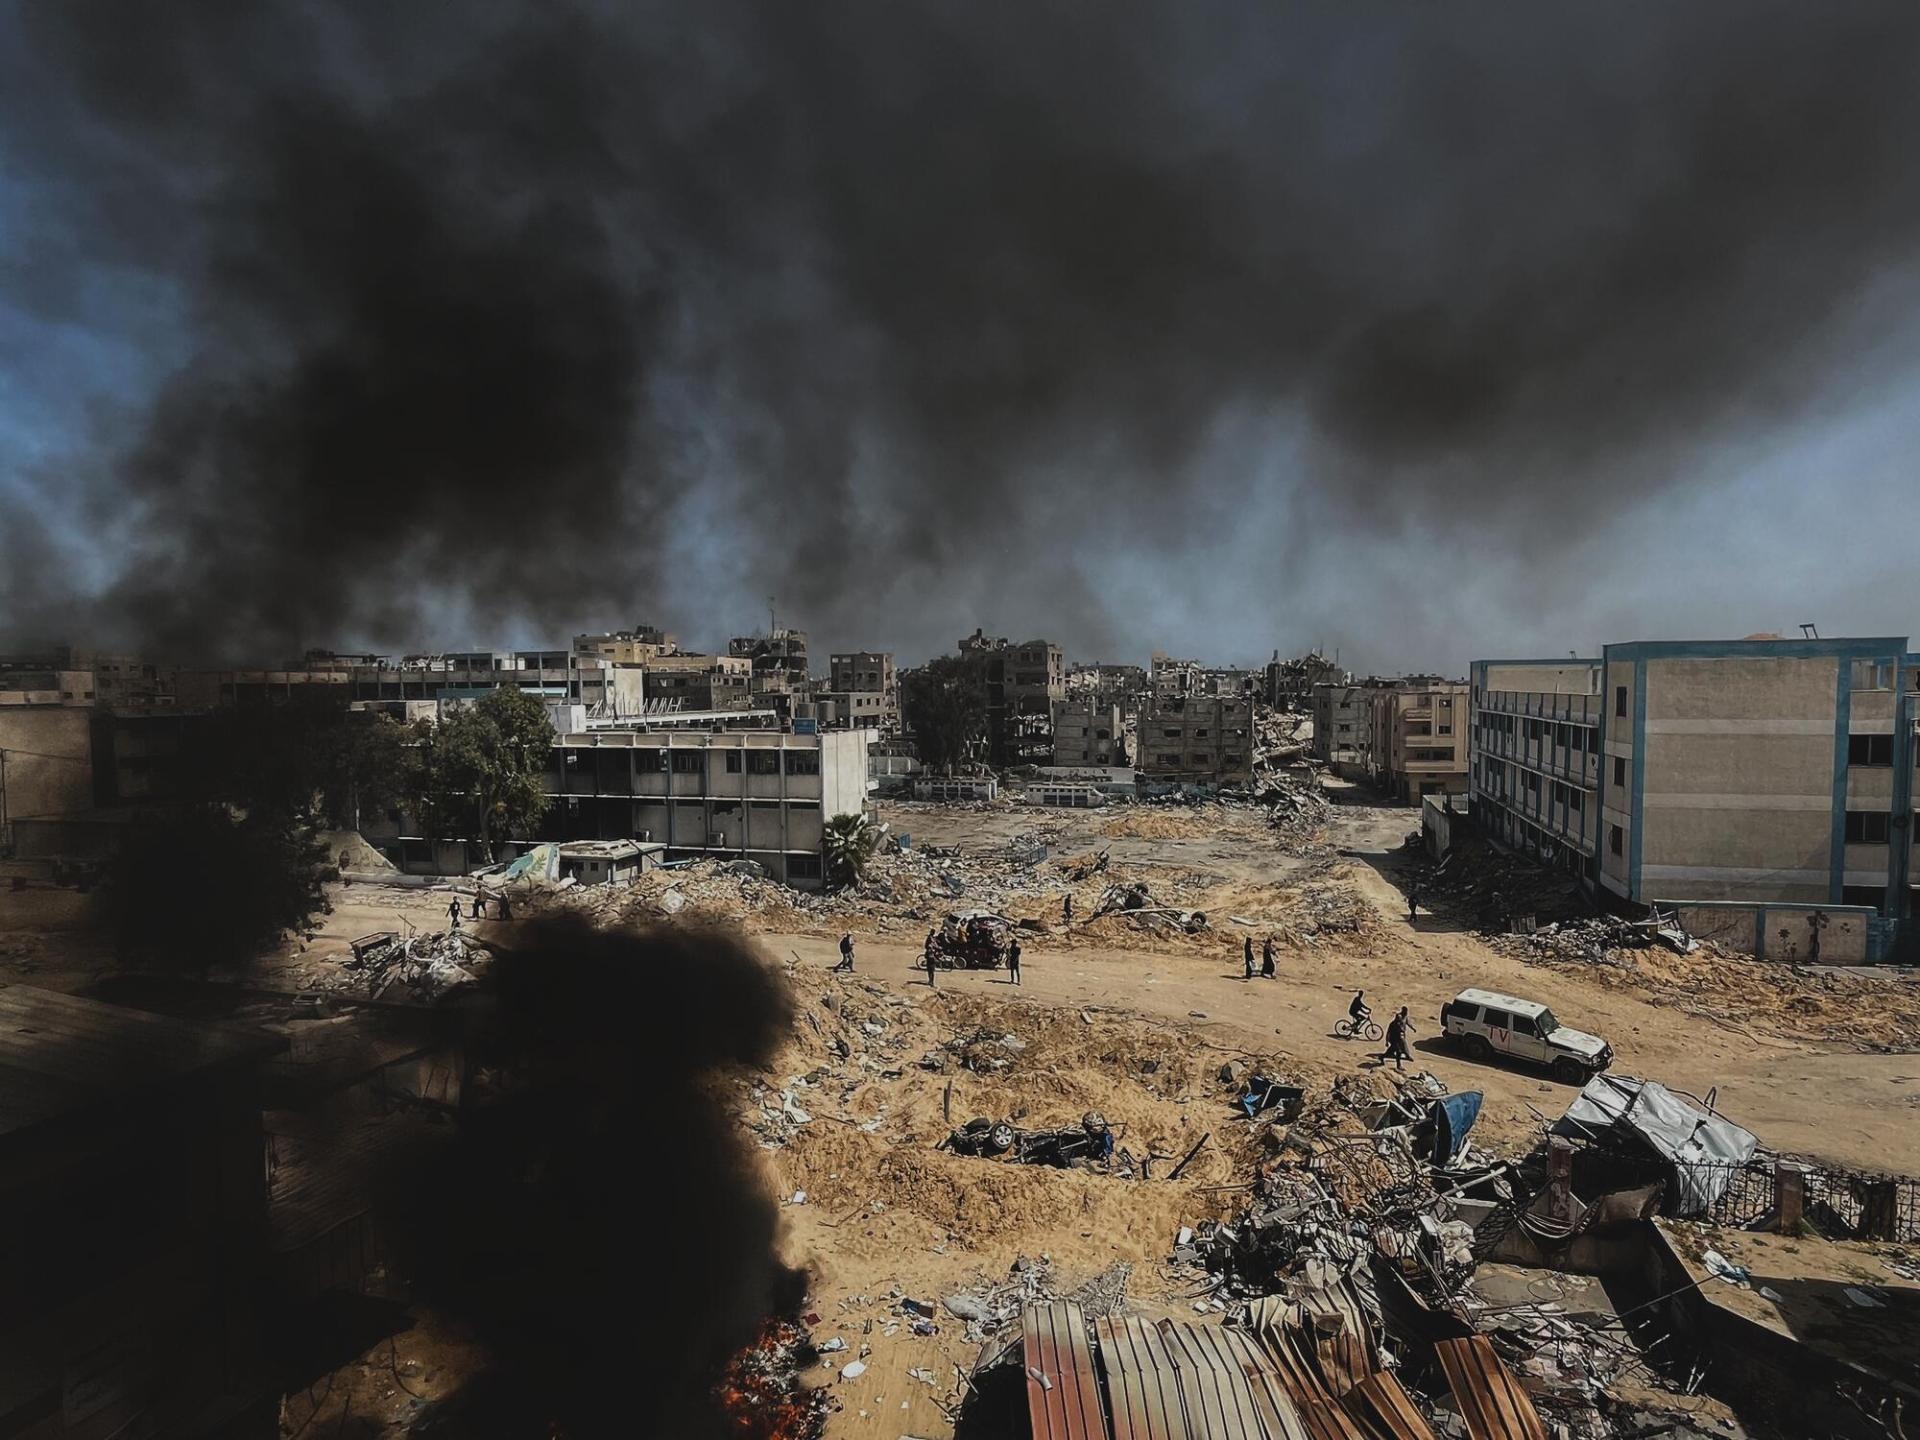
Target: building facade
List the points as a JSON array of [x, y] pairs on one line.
[[1343, 725], [1085, 732], [607, 689], [760, 795], [1419, 741], [863, 690], [1023, 684], [1204, 740], [1760, 770]]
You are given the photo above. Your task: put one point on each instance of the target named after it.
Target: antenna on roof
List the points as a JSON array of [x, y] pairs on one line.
[[1809, 630]]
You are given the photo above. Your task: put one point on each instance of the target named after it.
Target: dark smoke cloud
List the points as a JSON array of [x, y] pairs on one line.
[[480, 302], [602, 1225]]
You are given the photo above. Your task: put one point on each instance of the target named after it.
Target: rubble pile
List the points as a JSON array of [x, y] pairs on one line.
[[1136, 902], [761, 1393], [1495, 890], [986, 1308], [417, 968]]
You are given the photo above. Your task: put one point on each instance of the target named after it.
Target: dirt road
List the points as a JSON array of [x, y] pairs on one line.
[[1855, 1109]]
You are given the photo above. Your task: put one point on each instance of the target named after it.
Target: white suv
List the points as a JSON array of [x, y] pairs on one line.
[[1487, 1023]]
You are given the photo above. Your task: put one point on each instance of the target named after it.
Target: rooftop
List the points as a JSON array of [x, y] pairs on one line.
[[63, 1054]]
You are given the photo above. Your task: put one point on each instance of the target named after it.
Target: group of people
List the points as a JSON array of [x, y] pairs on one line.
[[931, 958], [1266, 959], [1397, 1029], [480, 902]]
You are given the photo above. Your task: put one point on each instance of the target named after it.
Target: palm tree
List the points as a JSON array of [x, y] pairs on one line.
[[849, 842]]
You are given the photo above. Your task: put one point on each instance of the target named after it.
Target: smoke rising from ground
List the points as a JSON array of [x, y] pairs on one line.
[[518, 312], [602, 1225]]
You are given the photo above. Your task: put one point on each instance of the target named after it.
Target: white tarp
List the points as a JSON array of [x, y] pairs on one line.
[[1704, 1149]]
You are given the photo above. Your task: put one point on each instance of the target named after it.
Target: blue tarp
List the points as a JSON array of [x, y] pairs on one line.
[[1263, 1092], [1453, 1117]]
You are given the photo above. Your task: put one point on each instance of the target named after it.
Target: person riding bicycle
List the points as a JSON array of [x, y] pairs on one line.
[[1358, 1011]]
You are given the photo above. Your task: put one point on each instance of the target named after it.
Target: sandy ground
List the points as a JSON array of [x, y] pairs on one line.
[[1135, 1022]]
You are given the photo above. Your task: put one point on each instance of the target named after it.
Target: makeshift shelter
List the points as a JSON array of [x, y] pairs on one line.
[[1703, 1148]]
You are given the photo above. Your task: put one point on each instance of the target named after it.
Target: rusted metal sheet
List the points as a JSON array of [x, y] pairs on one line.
[[1384, 1405], [1491, 1400], [1320, 1413], [1143, 1390], [1063, 1389]]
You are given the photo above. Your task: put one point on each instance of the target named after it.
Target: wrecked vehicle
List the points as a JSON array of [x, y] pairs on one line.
[[972, 940], [1088, 1143], [1486, 1023]]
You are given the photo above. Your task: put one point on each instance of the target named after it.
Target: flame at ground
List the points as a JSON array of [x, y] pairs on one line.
[[761, 1395]]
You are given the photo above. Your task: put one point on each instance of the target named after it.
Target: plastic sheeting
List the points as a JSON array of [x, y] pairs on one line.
[[1453, 1117], [1704, 1149]]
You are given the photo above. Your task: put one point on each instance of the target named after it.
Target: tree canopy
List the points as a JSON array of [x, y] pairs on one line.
[[944, 705], [479, 772]]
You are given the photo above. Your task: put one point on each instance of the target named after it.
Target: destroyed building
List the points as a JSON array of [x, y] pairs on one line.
[[1197, 741], [760, 795], [1121, 685], [1289, 683], [1418, 740], [1088, 732], [862, 691], [1343, 725], [1726, 777], [1023, 683]]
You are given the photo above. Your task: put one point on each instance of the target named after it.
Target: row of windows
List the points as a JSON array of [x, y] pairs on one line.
[[694, 762]]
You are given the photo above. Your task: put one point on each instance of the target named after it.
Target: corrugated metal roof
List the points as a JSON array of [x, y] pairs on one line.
[[1142, 1388], [1213, 1383], [1063, 1390], [1491, 1400]]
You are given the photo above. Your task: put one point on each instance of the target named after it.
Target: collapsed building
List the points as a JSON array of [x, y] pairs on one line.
[[1023, 684]]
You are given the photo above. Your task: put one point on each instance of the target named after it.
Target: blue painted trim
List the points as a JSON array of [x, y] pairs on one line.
[[1842, 730], [1899, 853], [1636, 813], [1879, 647]]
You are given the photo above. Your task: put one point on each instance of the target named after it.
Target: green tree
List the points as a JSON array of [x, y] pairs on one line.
[[479, 773], [848, 842], [205, 885], [944, 705]]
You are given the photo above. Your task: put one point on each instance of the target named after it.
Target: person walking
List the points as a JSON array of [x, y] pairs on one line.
[[1066, 911], [1266, 959], [1396, 1050], [932, 969], [1413, 901], [1013, 964], [846, 953], [453, 912], [1249, 957]]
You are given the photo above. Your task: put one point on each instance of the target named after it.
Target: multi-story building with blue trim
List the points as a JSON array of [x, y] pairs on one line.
[[1733, 772]]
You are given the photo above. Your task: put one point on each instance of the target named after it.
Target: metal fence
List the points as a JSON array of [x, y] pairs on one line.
[[1840, 1204]]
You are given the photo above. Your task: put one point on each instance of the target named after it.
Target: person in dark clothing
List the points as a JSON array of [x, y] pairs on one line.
[[506, 909], [1013, 964], [1358, 1011], [1413, 901], [1266, 958], [933, 967], [846, 953], [1396, 1050], [453, 911], [1066, 911], [1249, 957]]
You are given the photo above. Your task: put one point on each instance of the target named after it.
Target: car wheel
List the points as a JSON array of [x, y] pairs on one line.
[[1477, 1048], [1570, 1072]]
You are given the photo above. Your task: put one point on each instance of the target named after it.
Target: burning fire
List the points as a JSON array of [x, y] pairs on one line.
[[761, 1394]]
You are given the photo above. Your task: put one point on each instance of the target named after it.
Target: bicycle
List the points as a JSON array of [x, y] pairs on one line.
[[1347, 1028]]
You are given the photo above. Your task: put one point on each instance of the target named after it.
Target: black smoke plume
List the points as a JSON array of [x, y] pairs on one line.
[[602, 1224], [492, 315]]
